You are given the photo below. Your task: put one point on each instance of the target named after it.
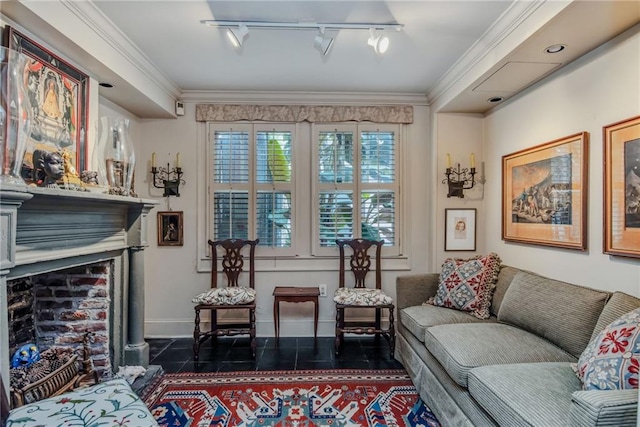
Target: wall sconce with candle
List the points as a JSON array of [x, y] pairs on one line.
[[168, 179], [459, 179]]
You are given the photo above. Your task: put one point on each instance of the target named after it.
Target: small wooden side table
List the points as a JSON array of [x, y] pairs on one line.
[[295, 294]]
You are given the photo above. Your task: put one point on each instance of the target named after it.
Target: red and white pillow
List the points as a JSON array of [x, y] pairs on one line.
[[468, 284], [611, 361]]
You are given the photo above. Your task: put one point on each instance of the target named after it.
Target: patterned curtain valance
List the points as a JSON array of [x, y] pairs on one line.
[[301, 113]]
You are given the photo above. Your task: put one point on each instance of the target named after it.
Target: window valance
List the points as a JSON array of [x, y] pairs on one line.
[[301, 113]]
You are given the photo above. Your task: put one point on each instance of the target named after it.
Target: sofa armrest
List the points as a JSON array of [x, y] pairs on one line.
[[415, 289], [604, 408]]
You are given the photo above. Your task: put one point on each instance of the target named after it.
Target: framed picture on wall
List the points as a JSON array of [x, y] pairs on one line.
[[544, 194], [170, 228], [622, 188], [58, 94], [460, 229]]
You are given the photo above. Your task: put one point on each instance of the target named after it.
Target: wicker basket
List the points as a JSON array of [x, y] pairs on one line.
[[54, 384]]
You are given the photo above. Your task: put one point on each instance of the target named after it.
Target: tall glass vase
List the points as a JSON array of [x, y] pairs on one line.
[[15, 115], [118, 161]]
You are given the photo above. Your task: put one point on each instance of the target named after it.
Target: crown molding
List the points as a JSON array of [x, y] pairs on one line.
[[307, 98], [102, 26], [518, 22]]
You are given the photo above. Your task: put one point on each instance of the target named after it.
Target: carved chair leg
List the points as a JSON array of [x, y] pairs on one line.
[[252, 331], [392, 332], [339, 326], [378, 324], [196, 336]]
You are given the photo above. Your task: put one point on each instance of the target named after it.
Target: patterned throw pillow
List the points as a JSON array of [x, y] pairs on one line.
[[468, 284], [611, 361], [233, 295]]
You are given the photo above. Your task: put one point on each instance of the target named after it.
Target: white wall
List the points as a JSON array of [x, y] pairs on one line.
[[599, 89], [458, 135], [171, 273]]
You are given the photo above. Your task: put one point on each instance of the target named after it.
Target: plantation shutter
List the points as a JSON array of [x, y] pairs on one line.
[[231, 185], [274, 188], [378, 184], [335, 175]]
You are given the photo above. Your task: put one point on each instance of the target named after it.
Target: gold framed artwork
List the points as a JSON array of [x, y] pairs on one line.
[[622, 188], [544, 194], [170, 228], [58, 94], [460, 229]]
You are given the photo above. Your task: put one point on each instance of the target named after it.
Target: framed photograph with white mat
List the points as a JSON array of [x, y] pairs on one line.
[[460, 229]]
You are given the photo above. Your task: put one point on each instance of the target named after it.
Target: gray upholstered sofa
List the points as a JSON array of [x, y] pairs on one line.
[[513, 369]]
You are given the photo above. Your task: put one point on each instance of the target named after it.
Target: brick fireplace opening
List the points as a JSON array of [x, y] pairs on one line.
[[56, 309]]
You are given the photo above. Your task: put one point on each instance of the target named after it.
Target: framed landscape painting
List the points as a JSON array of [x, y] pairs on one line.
[[58, 95], [544, 194], [622, 188]]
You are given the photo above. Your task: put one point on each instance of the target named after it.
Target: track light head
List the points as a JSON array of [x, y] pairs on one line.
[[237, 35], [379, 43], [323, 43]]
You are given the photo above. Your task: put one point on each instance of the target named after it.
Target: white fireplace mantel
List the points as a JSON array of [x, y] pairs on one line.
[[43, 230]]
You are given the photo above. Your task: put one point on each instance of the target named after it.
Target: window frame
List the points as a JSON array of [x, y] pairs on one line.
[[252, 186], [357, 187]]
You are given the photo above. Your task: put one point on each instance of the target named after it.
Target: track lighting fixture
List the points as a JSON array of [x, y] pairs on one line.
[[323, 43], [237, 35], [238, 30], [379, 43]]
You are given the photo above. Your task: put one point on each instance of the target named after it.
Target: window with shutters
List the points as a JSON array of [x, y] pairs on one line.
[[251, 186], [355, 185]]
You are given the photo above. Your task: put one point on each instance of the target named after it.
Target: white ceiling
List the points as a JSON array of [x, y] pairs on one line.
[[480, 48], [197, 57]]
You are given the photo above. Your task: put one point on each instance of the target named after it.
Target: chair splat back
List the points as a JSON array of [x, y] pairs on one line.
[[360, 261], [232, 260]]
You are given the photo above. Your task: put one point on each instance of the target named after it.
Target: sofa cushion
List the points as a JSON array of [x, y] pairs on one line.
[[611, 361], [468, 285], [527, 394], [594, 408], [563, 313], [505, 277], [464, 346], [619, 304], [420, 317]]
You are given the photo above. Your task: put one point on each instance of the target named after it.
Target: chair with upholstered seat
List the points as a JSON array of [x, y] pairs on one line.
[[229, 297], [360, 297]]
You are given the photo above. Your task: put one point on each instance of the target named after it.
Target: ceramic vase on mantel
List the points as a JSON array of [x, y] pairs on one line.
[[15, 116], [118, 158]]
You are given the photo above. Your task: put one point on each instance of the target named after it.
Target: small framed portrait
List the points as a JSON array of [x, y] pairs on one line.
[[460, 230], [170, 228]]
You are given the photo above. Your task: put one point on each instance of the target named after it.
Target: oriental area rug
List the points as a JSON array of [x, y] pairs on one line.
[[288, 399]]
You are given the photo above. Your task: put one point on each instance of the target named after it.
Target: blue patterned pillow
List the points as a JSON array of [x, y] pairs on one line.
[[611, 361], [468, 284]]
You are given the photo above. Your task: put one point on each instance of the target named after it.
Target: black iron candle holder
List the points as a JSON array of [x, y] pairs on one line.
[[168, 179], [459, 180]]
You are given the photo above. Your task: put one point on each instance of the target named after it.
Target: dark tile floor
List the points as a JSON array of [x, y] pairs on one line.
[[234, 354]]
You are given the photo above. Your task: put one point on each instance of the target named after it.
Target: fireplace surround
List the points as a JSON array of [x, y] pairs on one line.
[[46, 230]]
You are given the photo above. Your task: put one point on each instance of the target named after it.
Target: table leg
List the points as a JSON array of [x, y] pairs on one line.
[[315, 319], [276, 318]]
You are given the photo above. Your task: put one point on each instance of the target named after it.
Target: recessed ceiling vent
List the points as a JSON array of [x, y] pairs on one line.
[[512, 77]]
